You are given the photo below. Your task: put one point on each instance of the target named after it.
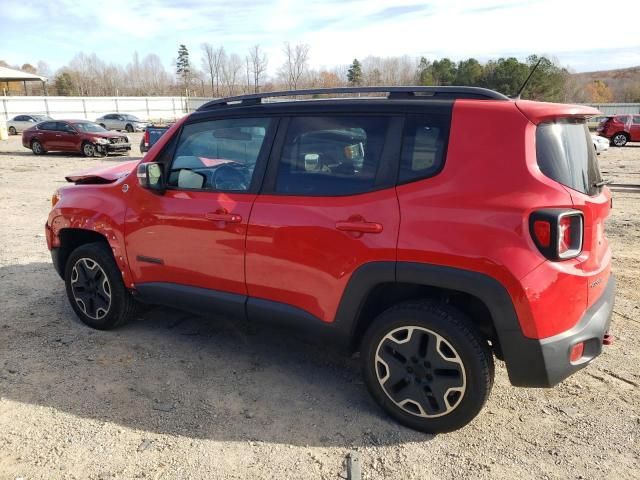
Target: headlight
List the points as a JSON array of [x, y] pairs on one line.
[[102, 141]]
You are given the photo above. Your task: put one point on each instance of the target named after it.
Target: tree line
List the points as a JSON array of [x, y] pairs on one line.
[[214, 72]]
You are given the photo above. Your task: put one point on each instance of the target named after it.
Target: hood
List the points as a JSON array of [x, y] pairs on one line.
[[103, 174], [108, 134]]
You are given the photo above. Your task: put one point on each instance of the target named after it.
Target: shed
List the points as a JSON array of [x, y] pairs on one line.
[[10, 75]]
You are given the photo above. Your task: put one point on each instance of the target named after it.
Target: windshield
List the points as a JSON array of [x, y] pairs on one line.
[[565, 153], [89, 127], [41, 118]]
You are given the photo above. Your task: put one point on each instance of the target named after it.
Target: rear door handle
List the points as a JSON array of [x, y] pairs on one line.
[[223, 217], [359, 226]]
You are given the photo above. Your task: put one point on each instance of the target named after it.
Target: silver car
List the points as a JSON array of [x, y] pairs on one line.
[[20, 123], [122, 121]]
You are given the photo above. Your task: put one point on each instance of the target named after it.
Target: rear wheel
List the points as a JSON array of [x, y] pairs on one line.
[[13, 131], [88, 149], [37, 148], [95, 288], [619, 139], [427, 366]]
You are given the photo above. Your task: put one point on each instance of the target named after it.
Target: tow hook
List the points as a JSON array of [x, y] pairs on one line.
[[607, 339]]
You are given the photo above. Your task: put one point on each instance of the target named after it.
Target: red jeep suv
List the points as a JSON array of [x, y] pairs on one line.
[[430, 230]]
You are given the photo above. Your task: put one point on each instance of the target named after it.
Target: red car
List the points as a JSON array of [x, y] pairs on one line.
[[432, 230], [80, 136], [620, 129]]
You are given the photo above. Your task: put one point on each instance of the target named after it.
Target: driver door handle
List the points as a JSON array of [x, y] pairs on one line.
[[359, 226], [223, 217]]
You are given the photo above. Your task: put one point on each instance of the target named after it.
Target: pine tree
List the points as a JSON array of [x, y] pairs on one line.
[[183, 67], [354, 75]]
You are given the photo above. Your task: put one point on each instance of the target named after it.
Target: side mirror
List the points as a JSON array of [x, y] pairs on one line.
[[150, 176]]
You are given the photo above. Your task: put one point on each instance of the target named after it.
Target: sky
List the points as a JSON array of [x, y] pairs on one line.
[[581, 34]]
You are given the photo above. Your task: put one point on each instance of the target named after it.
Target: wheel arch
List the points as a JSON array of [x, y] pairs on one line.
[[72, 238], [477, 294]]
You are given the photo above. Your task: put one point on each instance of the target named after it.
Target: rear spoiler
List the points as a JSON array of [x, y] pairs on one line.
[[538, 112]]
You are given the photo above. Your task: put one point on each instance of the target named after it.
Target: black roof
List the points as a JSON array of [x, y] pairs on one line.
[[393, 93]]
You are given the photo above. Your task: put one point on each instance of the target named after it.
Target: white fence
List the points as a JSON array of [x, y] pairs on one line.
[[90, 108], [152, 108]]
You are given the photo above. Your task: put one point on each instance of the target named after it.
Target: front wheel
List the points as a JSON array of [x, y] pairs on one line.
[[129, 128], [95, 288], [88, 149], [13, 131], [427, 366], [619, 140]]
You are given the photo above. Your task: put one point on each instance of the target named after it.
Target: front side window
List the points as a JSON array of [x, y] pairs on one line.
[[218, 155], [423, 147], [331, 155]]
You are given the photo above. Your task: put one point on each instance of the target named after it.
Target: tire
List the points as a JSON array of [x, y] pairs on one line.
[[95, 289], [88, 149], [102, 125], [620, 139], [435, 365], [129, 128], [13, 131], [37, 147]]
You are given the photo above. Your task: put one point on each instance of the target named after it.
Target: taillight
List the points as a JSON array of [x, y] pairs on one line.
[[146, 138], [557, 232]]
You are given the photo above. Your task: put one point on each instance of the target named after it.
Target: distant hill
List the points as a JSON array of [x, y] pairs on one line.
[[624, 83]]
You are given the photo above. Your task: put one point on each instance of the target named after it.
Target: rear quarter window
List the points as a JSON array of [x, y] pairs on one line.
[[424, 146], [565, 153]]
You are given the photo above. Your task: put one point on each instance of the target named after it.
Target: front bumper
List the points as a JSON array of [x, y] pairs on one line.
[[545, 362], [113, 147]]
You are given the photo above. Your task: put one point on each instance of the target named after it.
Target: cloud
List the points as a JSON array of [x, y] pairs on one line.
[[336, 30]]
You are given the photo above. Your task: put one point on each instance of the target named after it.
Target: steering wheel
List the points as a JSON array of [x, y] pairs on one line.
[[231, 177]]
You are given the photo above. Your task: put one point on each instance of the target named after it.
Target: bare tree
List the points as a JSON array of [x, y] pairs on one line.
[[259, 63], [295, 65], [209, 64], [230, 70]]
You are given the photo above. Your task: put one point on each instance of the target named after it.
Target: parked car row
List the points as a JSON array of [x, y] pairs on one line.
[[110, 121]]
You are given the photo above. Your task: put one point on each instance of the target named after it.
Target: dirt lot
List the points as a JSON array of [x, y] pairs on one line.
[[174, 396]]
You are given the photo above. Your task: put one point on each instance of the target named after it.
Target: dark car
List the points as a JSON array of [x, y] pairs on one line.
[[79, 136], [431, 230]]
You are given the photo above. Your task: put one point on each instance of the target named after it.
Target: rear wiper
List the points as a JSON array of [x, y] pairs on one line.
[[602, 183]]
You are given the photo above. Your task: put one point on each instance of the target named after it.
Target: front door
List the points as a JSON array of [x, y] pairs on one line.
[[193, 235], [328, 207]]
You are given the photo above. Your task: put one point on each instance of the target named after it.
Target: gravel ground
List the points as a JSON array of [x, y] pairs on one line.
[[175, 396]]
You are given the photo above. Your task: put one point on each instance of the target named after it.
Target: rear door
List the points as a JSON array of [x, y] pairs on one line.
[[328, 206], [47, 135]]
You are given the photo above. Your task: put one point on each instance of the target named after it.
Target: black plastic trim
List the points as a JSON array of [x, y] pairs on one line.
[[55, 259], [200, 301]]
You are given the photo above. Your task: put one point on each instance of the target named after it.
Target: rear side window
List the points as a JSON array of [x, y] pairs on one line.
[[565, 153], [47, 126], [325, 156], [423, 147]]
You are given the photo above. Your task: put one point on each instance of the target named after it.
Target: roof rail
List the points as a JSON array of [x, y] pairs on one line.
[[446, 92]]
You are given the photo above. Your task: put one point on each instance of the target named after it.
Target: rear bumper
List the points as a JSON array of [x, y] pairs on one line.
[[545, 362]]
